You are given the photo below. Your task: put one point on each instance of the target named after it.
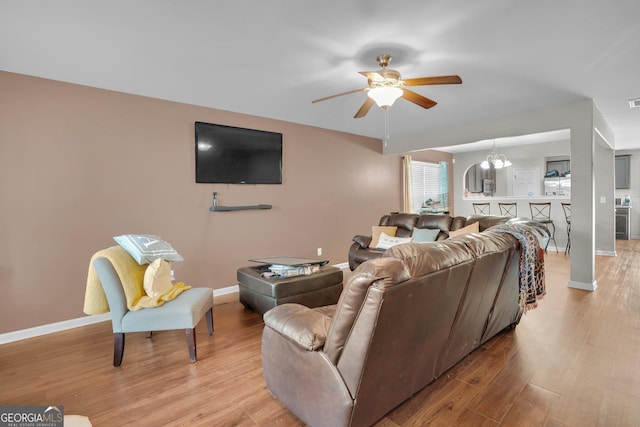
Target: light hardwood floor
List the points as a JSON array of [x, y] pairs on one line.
[[573, 361]]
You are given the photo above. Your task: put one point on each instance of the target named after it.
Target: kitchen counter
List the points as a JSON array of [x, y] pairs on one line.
[[479, 199], [464, 207]]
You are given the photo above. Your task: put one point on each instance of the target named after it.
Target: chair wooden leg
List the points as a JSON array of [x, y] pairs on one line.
[[191, 343], [209, 317], [118, 348]]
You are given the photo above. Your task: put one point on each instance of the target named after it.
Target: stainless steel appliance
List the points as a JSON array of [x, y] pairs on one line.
[[488, 187], [557, 186]]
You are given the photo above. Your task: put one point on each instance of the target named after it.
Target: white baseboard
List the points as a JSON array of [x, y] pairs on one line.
[[225, 291], [585, 286], [52, 327], [89, 320], [605, 253], [81, 321], [557, 249]]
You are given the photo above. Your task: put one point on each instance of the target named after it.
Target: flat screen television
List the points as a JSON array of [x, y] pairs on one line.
[[232, 155]]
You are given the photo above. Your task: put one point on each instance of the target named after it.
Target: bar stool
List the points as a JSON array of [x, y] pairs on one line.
[[482, 208], [508, 209], [566, 207], [541, 213]]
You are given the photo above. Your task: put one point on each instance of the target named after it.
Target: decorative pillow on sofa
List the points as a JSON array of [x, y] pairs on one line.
[[157, 278], [421, 235], [145, 248], [377, 229], [471, 228], [385, 241]]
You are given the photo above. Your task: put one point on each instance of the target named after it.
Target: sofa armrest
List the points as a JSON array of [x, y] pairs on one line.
[[301, 325], [363, 241]]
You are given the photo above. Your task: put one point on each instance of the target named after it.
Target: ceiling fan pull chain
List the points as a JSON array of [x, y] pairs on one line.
[[386, 126]]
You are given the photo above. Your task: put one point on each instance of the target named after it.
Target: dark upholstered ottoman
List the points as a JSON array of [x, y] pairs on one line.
[[314, 290]]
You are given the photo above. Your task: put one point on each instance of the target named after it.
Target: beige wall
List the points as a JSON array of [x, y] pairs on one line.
[[79, 165]]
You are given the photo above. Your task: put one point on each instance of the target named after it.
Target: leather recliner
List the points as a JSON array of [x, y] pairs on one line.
[[360, 251], [402, 321]]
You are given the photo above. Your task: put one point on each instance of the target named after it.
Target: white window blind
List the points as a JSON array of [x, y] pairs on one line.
[[425, 185]]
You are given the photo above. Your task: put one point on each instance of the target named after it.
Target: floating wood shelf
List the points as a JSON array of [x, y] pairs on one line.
[[238, 208]]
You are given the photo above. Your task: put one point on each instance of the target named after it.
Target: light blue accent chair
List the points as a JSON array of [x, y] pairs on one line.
[[183, 312]]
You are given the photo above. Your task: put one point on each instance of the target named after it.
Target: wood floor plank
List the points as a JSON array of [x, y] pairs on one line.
[[405, 412], [580, 399], [495, 400], [469, 418], [618, 409], [532, 407], [623, 376], [492, 362], [574, 361], [444, 405]]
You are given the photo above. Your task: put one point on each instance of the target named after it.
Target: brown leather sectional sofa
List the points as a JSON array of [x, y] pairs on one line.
[[406, 222], [402, 321]]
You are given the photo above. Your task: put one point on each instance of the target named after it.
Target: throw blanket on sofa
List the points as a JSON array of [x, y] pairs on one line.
[[532, 283], [132, 277]]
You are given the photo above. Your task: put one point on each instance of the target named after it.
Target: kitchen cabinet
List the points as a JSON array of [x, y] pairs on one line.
[[622, 171]]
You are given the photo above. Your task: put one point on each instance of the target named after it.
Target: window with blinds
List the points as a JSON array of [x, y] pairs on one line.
[[429, 186]]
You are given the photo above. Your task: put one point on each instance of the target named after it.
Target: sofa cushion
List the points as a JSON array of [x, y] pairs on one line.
[[301, 325], [441, 222], [376, 230], [426, 258], [404, 221], [486, 221], [363, 241], [458, 222], [471, 228], [385, 242], [383, 272], [421, 235], [481, 244]]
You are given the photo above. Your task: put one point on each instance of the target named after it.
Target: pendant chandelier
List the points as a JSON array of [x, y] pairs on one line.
[[498, 161]]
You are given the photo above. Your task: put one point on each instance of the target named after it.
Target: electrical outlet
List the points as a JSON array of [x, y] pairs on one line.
[[603, 199], [319, 251]]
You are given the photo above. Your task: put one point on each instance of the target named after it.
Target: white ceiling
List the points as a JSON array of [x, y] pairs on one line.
[[510, 141], [272, 58]]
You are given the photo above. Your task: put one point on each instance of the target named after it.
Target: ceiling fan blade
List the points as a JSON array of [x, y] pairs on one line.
[[339, 94], [365, 108], [418, 99], [374, 76], [435, 80]]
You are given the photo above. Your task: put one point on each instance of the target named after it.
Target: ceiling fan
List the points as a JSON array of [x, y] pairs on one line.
[[386, 85]]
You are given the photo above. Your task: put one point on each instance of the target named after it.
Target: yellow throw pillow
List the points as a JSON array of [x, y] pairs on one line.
[[472, 228], [375, 233], [157, 278]]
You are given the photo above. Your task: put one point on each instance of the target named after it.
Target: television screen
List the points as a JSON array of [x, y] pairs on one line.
[[232, 155]]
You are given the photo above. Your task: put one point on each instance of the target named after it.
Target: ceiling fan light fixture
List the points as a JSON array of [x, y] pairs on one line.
[[384, 96]]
